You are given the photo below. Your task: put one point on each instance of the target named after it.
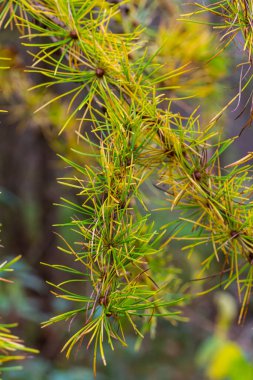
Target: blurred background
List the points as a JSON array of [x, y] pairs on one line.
[[210, 345]]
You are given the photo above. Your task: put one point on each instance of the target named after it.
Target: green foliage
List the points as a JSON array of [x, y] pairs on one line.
[[234, 19], [12, 348], [118, 89]]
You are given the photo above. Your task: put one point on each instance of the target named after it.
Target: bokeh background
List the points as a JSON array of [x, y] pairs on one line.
[[210, 345]]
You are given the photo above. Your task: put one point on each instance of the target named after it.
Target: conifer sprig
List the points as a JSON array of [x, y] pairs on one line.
[[234, 19], [12, 348], [134, 135]]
